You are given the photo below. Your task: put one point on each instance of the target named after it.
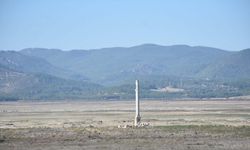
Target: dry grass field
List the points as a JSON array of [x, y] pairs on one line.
[[175, 125]]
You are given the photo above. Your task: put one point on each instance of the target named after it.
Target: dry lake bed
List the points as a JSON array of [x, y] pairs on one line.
[[173, 125]]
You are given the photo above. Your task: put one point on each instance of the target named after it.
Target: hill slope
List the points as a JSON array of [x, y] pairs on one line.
[[18, 85], [144, 60], [26, 77], [190, 71], [234, 66], [30, 64]]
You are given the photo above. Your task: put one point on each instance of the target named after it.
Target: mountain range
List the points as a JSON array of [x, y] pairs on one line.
[[39, 73]]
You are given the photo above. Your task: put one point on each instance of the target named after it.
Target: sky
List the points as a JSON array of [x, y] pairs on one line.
[[91, 24]]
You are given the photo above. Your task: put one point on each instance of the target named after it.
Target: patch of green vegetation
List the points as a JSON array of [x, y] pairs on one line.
[[78, 130], [213, 129], [176, 128]]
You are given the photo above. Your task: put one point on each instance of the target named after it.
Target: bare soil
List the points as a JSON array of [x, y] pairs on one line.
[[175, 125]]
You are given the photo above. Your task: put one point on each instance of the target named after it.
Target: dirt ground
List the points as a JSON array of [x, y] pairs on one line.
[[175, 125]]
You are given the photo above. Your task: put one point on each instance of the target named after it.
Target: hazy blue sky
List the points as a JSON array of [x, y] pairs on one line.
[[87, 24]]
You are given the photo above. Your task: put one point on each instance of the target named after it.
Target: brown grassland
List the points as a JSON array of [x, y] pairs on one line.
[[175, 125]]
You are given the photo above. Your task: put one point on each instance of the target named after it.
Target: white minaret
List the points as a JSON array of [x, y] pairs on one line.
[[137, 104]]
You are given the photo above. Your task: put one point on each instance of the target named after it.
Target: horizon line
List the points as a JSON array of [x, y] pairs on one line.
[[109, 47]]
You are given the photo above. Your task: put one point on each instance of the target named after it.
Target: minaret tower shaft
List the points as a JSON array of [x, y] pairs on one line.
[[137, 104]]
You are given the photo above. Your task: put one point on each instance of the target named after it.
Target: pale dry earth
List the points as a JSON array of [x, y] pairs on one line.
[[179, 124]]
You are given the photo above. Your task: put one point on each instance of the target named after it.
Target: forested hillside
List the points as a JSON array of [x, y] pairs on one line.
[[178, 71]]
